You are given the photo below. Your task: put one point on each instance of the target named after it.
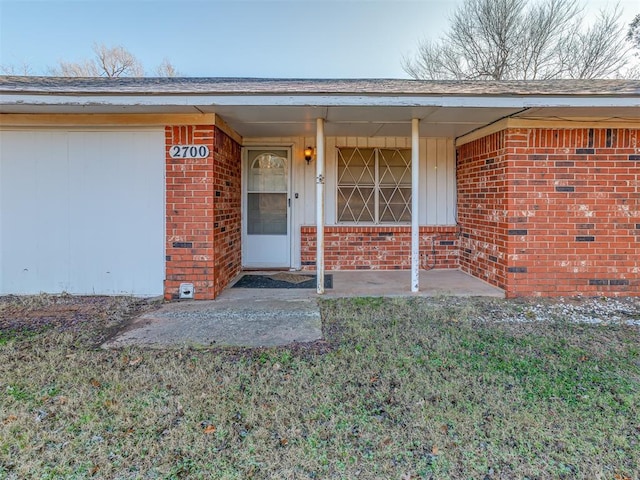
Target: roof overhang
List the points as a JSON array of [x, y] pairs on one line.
[[366, 108]]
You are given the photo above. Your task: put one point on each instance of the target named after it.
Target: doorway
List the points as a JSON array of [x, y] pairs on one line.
[[267, 206]]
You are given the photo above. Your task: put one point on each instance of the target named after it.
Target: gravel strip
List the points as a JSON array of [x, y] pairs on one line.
[[592, 310]]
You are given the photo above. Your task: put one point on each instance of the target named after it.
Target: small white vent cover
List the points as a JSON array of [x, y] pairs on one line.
[[186, 290]]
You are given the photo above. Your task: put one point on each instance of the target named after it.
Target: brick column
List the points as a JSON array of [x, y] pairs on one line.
[[202, 212]]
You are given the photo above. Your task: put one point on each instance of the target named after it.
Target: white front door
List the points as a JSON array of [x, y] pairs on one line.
[[266, 226]]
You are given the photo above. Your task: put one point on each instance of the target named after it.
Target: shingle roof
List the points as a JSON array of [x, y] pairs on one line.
[[269, 86]]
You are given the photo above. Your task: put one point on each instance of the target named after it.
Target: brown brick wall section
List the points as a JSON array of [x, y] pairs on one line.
[[227, 224], [379, 247], [482, 208], [571, 211], [203, 212]]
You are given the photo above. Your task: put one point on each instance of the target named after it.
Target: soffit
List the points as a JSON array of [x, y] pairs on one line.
[[282, 108], [388, 121]]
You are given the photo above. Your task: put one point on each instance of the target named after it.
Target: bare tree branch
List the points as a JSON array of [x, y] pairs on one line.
[[107, 62], [520, 39], [600, 49], [633, 35], [166, 69], [116, 62], [86, 68], [23, 70]]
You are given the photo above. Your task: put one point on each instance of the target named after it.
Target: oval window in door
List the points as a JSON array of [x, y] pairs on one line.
[[267, 194]]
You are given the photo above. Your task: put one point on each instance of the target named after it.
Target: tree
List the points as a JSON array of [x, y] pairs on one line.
[[633, 35], [519, 39], [24, 69], [166, 69], [108, 62]]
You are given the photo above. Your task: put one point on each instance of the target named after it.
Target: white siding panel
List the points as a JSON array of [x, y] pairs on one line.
[[82, 212], [439, 182], [29, 199]]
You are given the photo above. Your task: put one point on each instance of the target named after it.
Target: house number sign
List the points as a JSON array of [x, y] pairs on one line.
[[188, 151]]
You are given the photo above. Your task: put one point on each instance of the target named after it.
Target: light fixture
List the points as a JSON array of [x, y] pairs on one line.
[[308, 154]]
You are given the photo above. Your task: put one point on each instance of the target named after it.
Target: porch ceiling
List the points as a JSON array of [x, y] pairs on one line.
[[353, 121], [358, 121], [392, 121]]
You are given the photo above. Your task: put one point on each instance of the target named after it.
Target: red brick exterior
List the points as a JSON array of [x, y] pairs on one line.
[[227, 211], [549, 212], [203, 212], [483, 208], [542, 212], [379, 247]]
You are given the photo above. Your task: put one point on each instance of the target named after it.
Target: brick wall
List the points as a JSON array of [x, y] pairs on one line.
[[227, 220], [202, 212], [483, 208], [379, 247], [566, 207]]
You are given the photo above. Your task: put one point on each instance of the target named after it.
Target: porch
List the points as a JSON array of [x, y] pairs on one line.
[[266, 317], [375, 283]]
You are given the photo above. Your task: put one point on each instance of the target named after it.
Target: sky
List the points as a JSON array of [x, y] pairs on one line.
[[240, 38]]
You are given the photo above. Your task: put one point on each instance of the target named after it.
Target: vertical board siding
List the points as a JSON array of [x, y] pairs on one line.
[[82, 212], [437, 176], [439, 183]]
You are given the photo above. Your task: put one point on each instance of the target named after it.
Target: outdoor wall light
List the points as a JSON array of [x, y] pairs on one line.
[[308, 154]]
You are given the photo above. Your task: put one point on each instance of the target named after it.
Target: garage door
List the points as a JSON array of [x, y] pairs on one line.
[[82, 212]]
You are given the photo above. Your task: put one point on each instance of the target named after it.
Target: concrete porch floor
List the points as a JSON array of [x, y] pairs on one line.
[[253, 317], [377, 283]]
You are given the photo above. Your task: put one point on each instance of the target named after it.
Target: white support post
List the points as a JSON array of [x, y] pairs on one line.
[[415, 196], [320, 177]]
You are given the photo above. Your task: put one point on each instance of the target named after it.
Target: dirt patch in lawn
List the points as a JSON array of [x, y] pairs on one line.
[[92, 319]]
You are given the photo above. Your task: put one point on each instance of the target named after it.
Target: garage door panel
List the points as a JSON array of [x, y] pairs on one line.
[[33, 211], [49, 215], [93, 216], [93, 227]]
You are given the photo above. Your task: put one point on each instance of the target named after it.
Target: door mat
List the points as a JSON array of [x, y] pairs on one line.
[[282, 280]]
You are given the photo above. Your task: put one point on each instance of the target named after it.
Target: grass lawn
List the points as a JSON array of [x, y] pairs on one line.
[[399, 389]]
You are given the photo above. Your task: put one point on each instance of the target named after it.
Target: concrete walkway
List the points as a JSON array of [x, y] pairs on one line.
[[259, 322], [275, 317]]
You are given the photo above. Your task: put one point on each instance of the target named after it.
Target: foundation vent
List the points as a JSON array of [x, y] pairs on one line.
[[186, 291]]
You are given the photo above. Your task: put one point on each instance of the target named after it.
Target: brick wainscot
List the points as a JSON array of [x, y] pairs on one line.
[[380, 247]]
